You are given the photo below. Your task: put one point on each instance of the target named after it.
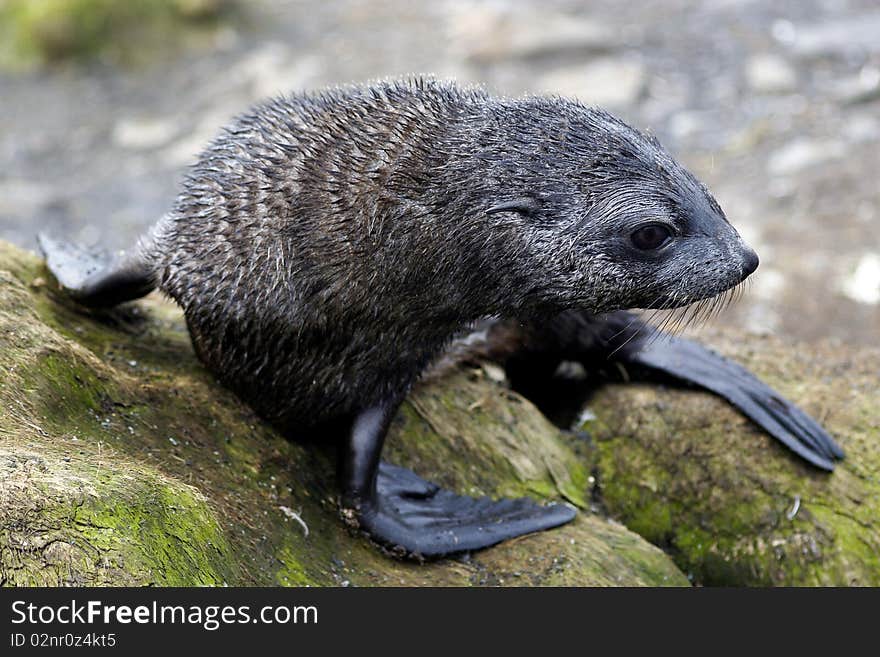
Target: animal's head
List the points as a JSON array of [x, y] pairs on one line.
[[609, 219]]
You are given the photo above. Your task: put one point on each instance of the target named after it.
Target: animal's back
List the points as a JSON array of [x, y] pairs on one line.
[[297, 247]]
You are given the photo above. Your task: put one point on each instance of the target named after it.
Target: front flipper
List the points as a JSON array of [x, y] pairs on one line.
[[532, 350], [425, 519], [692, 363], [403, 511]]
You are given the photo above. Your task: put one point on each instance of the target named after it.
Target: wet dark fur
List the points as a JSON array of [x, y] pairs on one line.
[[325, 248]]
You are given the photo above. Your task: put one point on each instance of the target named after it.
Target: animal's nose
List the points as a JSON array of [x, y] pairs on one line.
[[749, 261]]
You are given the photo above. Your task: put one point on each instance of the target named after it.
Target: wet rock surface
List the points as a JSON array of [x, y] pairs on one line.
[[123, 462]]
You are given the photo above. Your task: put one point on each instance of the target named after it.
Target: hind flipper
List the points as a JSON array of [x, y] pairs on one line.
[[93, 280], [692, 363]]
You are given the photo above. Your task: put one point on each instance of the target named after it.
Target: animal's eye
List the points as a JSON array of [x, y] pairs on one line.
[[650, 237]]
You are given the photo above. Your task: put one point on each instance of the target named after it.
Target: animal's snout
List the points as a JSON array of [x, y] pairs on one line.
[[749, 261]]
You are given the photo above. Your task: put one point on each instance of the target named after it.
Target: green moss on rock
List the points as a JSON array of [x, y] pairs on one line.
[[79, 521], [123, 462]]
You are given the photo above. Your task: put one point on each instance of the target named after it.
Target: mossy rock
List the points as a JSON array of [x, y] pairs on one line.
[[122, 462], [729, 504]]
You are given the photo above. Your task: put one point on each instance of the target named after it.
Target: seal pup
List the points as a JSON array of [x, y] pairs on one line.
[[326, 247]]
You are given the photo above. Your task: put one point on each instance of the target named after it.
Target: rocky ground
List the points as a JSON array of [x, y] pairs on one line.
[[123, 462], [775, 104]]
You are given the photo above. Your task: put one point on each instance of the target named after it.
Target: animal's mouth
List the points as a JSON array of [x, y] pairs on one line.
[[684, 294], [675, 301], [678, 312]]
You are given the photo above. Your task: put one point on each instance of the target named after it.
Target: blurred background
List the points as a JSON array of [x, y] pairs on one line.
[[774, 104]]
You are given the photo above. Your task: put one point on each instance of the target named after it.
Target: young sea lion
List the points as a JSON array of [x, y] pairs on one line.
[[325, 248]]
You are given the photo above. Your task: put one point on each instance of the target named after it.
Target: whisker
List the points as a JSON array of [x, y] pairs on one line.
[[643, 324], [625, 328], [678, 320], [670, 318], [627, 341], [636, 318]]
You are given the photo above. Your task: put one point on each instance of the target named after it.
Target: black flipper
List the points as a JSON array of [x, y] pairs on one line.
[[93, 280], [601, 341], [692, 363], [425, 519], [400, 509]]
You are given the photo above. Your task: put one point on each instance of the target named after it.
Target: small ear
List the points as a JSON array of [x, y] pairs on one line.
[[525, 205]]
